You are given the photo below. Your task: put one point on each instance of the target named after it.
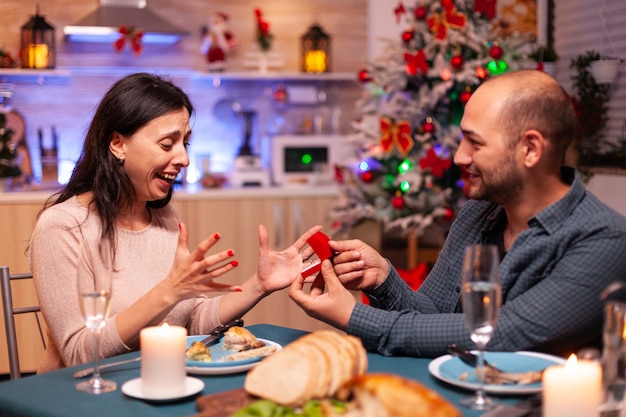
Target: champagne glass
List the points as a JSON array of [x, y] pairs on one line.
[[94, 277], [481, 298]]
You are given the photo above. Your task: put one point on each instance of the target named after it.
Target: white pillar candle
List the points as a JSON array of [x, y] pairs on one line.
[[163, 370], [572, 390]]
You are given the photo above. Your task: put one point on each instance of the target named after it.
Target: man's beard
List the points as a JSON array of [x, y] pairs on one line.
[[499, 185]]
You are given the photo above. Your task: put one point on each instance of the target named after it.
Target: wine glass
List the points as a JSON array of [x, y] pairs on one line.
[[95, 268], [481, 298]]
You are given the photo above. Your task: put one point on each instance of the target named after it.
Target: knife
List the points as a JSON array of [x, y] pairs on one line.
[[469, 358], [217, 333], [213, 338]]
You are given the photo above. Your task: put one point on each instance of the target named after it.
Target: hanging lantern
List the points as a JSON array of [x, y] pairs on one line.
[[37, 43], [316, 50]]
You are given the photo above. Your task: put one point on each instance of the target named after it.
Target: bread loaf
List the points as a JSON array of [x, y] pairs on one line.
[[313, 366]]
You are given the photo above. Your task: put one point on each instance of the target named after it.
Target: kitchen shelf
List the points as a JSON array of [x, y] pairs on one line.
[[32, 76]]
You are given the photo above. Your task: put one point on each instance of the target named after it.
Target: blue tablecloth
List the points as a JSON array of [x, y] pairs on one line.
[[54, 394]]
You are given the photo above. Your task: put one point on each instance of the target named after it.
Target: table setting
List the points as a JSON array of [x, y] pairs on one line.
[[235, 366]]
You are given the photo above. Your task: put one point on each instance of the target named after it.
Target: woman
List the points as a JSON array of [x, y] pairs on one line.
[[120, 190]]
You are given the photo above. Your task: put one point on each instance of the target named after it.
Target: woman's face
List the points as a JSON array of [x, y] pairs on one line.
[[156, 153]]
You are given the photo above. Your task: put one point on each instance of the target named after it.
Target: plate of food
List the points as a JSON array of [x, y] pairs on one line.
[[237, 351], [522, 371]]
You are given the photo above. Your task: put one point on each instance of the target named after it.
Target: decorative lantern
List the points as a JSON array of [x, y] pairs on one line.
[[37, 45], [316, 50]]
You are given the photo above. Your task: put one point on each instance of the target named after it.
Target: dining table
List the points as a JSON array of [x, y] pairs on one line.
[[54, 394]]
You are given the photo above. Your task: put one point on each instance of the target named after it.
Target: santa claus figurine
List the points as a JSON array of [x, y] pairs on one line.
[[217, 41]]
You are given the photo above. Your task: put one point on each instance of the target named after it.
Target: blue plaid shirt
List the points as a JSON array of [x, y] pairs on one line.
[[552, 277]]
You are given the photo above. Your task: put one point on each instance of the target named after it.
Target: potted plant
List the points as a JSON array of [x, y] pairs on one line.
[[591, 102]]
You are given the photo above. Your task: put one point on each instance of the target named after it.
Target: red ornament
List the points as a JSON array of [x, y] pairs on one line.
[[364, 76], [367, 177], [428, 126], [496, 52], [457, 62], [398, 202], [465, 96], [420, 12], [407, 35], [448, 215], [280, 95]]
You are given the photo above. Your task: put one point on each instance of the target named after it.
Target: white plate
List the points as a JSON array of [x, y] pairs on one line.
[[222, 368], [448, 368], [133, 389]]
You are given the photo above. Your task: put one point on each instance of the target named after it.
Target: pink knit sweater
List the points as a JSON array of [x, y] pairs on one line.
[[143, 258]]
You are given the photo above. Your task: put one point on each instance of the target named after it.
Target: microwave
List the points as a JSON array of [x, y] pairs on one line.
[[298, 160]]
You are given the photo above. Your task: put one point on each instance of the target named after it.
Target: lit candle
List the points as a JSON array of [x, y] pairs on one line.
[[572, 390], [163, 360], [38, 56], [315, 61]]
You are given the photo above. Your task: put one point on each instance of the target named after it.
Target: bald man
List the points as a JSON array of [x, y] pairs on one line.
[[559, 245]]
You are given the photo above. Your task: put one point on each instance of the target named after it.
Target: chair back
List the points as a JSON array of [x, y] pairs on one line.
[[9, 318]]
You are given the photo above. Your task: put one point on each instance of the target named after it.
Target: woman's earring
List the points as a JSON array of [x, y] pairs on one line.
[[120, 160]]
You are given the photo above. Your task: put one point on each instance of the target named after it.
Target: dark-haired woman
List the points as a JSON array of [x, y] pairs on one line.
[[120, 190]]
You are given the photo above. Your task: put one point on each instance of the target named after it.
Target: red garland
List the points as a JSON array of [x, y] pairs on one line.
[[449, 17], [437, 165], [132, 36], [416, 61], [396, 134]]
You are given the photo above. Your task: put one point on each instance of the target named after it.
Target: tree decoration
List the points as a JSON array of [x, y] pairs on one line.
[[364, 76], [132, 36], [496, 51], [407, 35], [406, 124], [8, 151]]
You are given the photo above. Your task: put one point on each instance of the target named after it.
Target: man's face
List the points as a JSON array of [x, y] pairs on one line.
[[492, 164]]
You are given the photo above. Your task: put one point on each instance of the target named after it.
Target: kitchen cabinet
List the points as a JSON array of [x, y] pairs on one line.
[[234, 213]]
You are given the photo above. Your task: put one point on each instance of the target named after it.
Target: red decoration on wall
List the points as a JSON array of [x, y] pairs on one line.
[[486, 8], [449, 17], [396, 135], [132, 36], [416, 61], [437, 165], [399, 11]]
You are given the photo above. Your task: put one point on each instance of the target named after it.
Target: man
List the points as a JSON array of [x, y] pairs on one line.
[[560, 246]]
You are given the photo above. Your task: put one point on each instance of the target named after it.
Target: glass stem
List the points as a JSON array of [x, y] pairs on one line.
[[96, 358], [480, 369]]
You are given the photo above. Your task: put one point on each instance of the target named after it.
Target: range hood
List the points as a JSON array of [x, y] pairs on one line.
[[103, 24]]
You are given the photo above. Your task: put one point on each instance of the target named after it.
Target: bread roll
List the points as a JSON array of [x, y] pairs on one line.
[[239, 339]]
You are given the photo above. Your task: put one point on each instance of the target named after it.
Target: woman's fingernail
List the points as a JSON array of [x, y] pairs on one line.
[[216, 236], [234, 263], [238, 289], [180, 226], [230, 252]]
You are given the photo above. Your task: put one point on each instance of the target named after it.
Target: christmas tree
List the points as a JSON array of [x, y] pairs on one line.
[[412, 103]]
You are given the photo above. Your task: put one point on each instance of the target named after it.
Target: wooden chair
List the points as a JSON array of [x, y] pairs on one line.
[[9, 318]]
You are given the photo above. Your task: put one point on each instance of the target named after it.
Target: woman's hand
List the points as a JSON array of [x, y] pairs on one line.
[[358, 266], [194, 273], [277, 270]]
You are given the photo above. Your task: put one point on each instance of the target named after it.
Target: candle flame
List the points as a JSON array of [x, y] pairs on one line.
[[572, 362]]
